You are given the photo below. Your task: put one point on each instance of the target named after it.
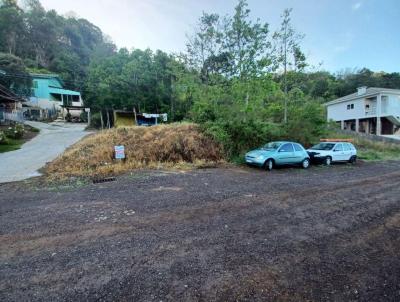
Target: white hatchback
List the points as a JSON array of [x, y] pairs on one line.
[[328, 152]]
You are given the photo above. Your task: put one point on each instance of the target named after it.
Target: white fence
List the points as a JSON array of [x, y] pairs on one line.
[[16, 116]]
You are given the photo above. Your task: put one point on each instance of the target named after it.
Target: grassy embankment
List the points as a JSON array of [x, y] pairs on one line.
[[164, 146], [371, 150]]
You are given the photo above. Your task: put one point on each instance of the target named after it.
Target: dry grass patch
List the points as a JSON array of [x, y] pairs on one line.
[[164, 146]]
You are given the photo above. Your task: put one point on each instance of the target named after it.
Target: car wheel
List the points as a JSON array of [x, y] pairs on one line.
[[328, 161], [305, 163], [269, 165], [353, 159]]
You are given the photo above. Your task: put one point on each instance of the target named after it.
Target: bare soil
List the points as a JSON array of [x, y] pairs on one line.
[[226, 234]]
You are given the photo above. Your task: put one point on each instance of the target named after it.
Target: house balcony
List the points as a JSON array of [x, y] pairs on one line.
[[370, 112]]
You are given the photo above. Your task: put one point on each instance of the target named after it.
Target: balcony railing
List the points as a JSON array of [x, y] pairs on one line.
[[370, 112]]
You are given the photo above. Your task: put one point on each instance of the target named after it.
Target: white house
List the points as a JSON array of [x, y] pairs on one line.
[[369, 110]]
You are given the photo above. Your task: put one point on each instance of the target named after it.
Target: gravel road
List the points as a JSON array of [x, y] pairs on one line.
[[52, 140], [226, 234]]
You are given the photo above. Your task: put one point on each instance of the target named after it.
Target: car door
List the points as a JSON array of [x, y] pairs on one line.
[[285, 154], [347, 151], [299, 153], [338, 153]]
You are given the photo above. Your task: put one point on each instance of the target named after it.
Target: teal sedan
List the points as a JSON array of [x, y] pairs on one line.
[[277, 154]]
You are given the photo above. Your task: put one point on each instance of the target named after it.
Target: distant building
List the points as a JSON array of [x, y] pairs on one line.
[[369, 110], [10, 106], [49, 97], [129, 119]]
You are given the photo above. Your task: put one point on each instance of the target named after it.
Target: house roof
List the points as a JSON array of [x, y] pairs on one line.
[[57, 90], [47, 76], [44, 75], [370, 91], [7, 96]]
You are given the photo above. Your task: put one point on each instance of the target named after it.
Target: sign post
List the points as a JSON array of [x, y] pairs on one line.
[[119, 152]]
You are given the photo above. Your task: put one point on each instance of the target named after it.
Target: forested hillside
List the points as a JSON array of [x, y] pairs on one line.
[[241, 79]]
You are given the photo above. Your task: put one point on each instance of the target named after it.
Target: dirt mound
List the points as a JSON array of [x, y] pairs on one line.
[[163, 146]]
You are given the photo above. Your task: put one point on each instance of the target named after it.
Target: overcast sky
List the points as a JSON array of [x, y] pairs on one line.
[[340, 33]]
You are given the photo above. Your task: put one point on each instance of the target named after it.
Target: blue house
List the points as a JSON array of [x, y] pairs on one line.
[[50, 98]]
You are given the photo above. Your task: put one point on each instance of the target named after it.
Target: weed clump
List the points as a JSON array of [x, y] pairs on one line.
[[163, 146]]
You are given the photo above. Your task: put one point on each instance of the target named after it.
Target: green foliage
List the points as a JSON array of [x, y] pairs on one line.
[[139, 79], [3, 138], [12, 145], [306, 122], [46, 40], [15, 132], [84, 117], [10, 66], [95, 120]]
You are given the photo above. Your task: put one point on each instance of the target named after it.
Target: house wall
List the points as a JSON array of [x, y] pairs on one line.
[[41, 88], [393, 106], [44, 103], [390, 106], [339, 112]]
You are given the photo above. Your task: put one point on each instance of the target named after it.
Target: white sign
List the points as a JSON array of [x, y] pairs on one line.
[[87, 109], [119, 152], [164, 116]]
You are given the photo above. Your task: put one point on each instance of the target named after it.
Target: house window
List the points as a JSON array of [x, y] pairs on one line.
[[367, 106], [350, 106], [35, 84]]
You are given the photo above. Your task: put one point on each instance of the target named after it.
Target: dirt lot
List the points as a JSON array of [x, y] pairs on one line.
[[326, 234]]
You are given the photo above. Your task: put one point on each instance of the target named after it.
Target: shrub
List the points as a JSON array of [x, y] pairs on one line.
[[84, 117], [95, 120], [240, 136], [15, 132], [3, 138]]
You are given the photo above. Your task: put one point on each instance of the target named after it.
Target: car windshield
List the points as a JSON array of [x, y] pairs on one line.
[[323, 146], [271, 146]]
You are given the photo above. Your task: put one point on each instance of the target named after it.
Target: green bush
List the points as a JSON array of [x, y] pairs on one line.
[[84, 117], [3, 138], [95, 120], [15, 132], [237, 137]]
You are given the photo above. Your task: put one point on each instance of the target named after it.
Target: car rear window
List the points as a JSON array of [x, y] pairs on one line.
[[297, 147]]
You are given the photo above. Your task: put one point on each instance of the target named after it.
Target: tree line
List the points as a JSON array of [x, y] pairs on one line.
[[241, 80]]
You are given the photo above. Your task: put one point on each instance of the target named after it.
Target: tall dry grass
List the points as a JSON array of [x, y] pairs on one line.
[[163, 146]]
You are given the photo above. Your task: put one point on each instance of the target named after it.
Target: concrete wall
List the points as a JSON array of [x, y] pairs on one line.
[[393, 106], [44, 103]]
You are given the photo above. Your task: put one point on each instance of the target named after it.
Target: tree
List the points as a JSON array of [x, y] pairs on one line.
[[247, 43], [13, 74], [287, 51], [12, 26]]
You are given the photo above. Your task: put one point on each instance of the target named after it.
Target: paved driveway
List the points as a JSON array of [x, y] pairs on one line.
[[52, 140]]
